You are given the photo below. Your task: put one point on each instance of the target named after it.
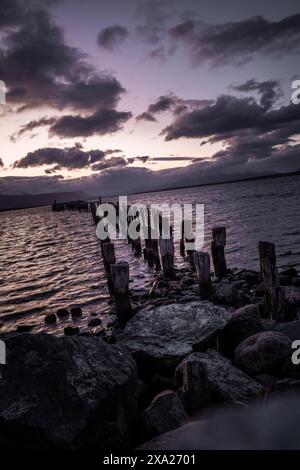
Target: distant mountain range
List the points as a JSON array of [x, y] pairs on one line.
[[23, 201]]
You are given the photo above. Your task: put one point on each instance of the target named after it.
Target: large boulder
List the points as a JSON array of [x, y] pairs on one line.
[[244, 322], [160, 338], [273, 425], [68, 392], [262, 353], [227, 384], [166, 412]]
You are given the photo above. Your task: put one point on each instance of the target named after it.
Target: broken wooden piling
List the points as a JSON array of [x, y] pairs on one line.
[[202, 265], [120, 275], [274, 294], [218, 251]]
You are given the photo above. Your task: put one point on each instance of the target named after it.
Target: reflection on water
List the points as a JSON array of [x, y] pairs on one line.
[[52, 259]]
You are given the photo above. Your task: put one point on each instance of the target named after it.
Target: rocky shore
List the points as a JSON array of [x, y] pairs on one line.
[[178, 360]]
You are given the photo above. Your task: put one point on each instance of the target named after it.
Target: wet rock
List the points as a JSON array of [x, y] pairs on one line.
[[225, 293], [296, 281], [285, 280], [290, 272], [263, 353], [62, 313], [244, 322], [166, 412], [66, 393], [290, 329], [227, 384], [76, 312], [267, 381], [285, 386], [71, 330], [272, 425], [24, 328], [187, 281], [50, 318], [94, 322], [160, 338], [268, 325], [292, 296]]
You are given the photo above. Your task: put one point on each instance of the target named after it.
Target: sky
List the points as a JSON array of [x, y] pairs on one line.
[[120, 96]]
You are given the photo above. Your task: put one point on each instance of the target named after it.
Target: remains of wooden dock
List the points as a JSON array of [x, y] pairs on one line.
[[159, 253]]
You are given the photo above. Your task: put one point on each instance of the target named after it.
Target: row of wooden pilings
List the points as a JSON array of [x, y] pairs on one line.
[[159, 253]]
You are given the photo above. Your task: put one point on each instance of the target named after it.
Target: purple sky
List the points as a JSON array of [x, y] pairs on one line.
[[133, 95]]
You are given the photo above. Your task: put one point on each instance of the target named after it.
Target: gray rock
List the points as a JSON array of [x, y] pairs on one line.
[[272, 425], [290, 329], [50, 318], [263, 352], [72, 393], [62, 313], [292, 296], [160, 338], [244, 322], [76, 312], [166, 412], [71, 331], [94, 322], [225, 293], [226, 383]]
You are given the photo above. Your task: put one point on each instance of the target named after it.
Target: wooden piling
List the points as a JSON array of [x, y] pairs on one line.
[[274, 294], [120, 275], [217, 251], [166, 247], [195, 387], [202, 265], [109, 258]]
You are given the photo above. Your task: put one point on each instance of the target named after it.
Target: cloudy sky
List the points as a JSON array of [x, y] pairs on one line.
[[123, 96]]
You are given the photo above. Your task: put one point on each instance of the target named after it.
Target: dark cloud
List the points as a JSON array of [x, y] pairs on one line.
[[69, 158], [103, 121], [146, 116], [143, 158], [235, 43], [251, 131], [30, 126], [171, 159], [171, 103], [269, 90], [1, 163], [109, 163], [113, 36], [40, 69]]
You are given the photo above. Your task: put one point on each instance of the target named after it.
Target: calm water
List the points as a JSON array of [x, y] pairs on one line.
[[51, 260]]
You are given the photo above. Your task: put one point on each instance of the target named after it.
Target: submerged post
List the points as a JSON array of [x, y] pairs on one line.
[[274, 295], [166, 246], [217, 250], [202, 265], [120, 275], [109, 258]]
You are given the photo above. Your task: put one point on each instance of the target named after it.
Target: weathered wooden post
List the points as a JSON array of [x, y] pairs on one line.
[[120, 274], [182, 244], [155, 252], [217, 250], [202, 265], [109, 258], [274, 294], [166, 247], [195, 386]]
